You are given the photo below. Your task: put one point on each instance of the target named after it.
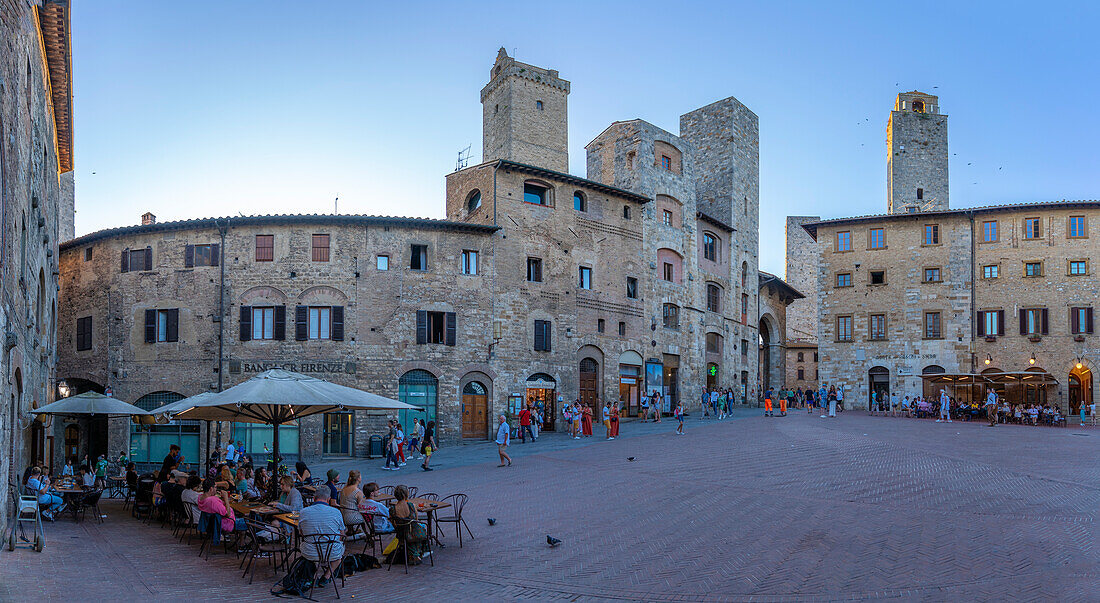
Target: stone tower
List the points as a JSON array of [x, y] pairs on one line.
[[803, 265], [524, 115], [916, 155]]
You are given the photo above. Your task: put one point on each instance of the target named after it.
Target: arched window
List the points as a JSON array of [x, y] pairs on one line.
[[473, 388], [536, 192], [580, 203], [40, 303], [419, 388], [672, 316], [714, 343], [711, 246], [714, 298], [473, 200], [670, 265]]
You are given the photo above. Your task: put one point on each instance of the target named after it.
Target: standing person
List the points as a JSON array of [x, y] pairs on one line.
[[945, 407], [577, 416], [679, 412], [645, 407], [783, 404], [567, 417], [428, 445], [991, 407], [605, 416], [586, 420], [101, 472], [768, 403], [391, 448], [832, 403], [504, 434], [240, 452], [414, 440], [614, 421], [714, 402], [171, 461], [656, 404], [525, 425], [400, 435], [840, 397], [536, 424], [874, 403], [230, 452]]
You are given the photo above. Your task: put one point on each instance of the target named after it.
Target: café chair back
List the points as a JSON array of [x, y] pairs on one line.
[[324, 546], [458, 503]]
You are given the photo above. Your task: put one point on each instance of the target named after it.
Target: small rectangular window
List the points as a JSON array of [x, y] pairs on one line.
[[88, 254], [710, 247], [1077, 227], [534, 270], [1033, 321], [418, 257], [991, 271], [538, 105], [671, 318], [626, 212], [622, 329], [265, 248], [84, 333], [843, 328], [382, 262], [990, 323], [666, 162], [139, 260], [878, 326], [844, 241], [989, 231], [631, 287], [932, 275], [205, 255], [535, 194], [666, 217], [744, 308], [714, 343], [920, 194], [668, 272], [932, 325], [1033, 228], [877, 238], [542, 335], [1080, 320], [878, 277], [584, 277], [469, 262], [801, 374], [599, 325], [168, 325], [931, 234], [714, 296], [320, 248], [1078, 267], [844, 279], [744, 350], [1033, 269]]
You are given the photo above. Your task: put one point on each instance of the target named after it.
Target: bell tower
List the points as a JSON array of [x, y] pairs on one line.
[[916, 155], [524, 115]]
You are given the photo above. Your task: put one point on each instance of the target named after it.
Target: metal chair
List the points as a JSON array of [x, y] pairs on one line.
[[260, 547], [458, 503], [401, 532], [412, 491], [386, 489], [374, 535], [429, 496], [90, 500], [324, 545], [190, 524]]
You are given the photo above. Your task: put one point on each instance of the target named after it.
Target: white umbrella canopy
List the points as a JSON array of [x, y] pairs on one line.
[[277, 396], [90, 403]]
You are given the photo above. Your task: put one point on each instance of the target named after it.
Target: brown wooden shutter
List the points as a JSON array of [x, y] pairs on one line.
[[148, 258], [301, 323], [1074, 324], [1023, 322], [189, 256], [246, 323], [539, 336], [451, 328], [421, 326], [1000, 322], [546, 334], [981, 324], [280, 323], [214, 254], [150, 326], [1043, 320], [1088, 322], [172, 328], [338, 323], [126, 260]]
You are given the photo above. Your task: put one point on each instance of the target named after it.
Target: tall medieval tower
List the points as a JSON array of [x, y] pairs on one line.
[[524, 115], [916, 155]]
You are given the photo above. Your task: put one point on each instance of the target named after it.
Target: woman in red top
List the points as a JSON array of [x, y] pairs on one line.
[[586, 421]]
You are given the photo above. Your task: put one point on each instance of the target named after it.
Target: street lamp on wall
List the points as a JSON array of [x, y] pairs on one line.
[[1031, 360], [988, 360]]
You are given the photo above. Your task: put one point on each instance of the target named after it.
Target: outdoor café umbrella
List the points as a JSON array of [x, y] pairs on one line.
[[89, 404], [276, 396]]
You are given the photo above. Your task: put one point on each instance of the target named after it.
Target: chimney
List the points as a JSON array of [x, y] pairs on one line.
[[148, 218]]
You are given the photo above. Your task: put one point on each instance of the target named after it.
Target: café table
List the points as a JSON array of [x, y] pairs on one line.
[[247, 508], [428, 507], [71, 494], [116, 484]]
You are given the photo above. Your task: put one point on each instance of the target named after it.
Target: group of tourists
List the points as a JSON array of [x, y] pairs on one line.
[[946, 409], [578, 418], [420, 440], [718, 402]]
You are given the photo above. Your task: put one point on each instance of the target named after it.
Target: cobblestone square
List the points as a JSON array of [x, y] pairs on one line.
[[763, 509]]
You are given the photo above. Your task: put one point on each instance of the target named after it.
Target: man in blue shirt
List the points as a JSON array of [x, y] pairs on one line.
[[51, 503]]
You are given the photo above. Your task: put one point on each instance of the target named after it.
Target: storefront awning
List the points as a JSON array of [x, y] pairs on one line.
[[1004, 378]]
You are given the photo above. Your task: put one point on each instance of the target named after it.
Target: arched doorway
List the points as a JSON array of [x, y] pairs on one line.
[[541, 395], [930, 389], [589, 383], [419, 388], [771, 354], [475, 410], [1080, 388], [878, 381]]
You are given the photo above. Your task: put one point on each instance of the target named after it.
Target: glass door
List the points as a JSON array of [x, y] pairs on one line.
[[338, 433]]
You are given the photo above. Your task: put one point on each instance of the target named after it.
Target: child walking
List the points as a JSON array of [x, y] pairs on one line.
[[680, 418]]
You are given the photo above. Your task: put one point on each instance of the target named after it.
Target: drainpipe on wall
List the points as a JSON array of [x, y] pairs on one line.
[[222, 229]]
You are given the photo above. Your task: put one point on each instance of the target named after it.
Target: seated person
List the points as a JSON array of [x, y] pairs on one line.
[[321, 519], [131, 475], [260, 481], [350, 500], [50, 503], [244, 483], [301, 473], [405, 511], [213, 501], [87, 478], [172, 490], [381, 512], [333, 477], [225, 477], [290, 500], [190, 494]]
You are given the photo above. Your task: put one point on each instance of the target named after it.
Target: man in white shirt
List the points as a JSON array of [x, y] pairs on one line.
[[945, 407], [504, 437], [230, 452]]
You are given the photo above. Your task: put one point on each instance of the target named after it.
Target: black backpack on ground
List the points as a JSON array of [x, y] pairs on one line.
[[298, 580]]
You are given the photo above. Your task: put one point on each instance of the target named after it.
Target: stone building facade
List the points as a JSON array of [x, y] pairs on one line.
[[540, 287], [801, 273], [35, 212], [775, 297]]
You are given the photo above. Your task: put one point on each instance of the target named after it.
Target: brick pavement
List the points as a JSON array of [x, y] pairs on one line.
[[794, 508]]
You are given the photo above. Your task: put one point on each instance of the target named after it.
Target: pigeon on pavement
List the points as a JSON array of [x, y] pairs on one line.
[[492, 521], [630, 458], [550, 540]]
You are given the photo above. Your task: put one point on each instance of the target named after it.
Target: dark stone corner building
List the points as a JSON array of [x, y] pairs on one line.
[[538, 286]]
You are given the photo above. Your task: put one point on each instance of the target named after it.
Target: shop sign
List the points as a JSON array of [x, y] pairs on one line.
[[317, 367]]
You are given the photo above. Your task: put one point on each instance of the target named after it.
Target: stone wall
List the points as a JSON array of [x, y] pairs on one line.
[[524, 111], [801, 273], [916, 146], [801, 356]]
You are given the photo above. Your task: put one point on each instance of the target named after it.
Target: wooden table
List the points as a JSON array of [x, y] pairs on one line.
[[291, 519], [115, 484], [245, 508], [70, 495], [429, 509]]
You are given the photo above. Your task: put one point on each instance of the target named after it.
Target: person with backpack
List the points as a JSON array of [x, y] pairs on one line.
[[317, 519]]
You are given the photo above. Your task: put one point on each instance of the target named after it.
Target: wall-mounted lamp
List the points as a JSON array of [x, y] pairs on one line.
[[1079, 364], [1031, 360], [988, 360]]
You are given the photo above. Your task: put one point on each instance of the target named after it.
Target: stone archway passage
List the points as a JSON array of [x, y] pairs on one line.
[[1080, 388]]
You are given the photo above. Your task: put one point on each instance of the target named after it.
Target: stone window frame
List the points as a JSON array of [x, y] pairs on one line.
[[801, 356], [871, 327], [1084, 226], [836, 280], [666, 217], [578, 194], [801, 374], [670, 318], [924, 235], [837, 241], [870, 278], [84, 334], [474, 198], [871, 239], [584, 271], [838, 335], [939, 275], [996, 231], [1042, 269], [1069, 267], [925, 324], [426, 264], [548, 193], [1038, 221], [997, 269]]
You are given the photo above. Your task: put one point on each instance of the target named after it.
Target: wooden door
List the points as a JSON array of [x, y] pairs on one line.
[[589, 384], [475, 408]]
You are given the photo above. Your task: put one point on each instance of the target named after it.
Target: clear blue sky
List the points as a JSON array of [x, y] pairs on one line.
[[192, 109]]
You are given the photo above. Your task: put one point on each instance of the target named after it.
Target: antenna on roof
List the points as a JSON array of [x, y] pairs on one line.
[[336, 204], [463, 158]]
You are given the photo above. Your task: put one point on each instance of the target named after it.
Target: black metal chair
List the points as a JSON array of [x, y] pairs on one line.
[[374, 535], [264, 541], [190, 525], [210, 530], [458, 503], [386, 489], [90, 500], [401, 532], [429, 496], [324, 545]]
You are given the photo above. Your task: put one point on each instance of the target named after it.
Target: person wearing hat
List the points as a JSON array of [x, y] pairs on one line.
[[333, 489]]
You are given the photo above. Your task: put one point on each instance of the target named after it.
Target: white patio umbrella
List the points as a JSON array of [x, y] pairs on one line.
[[90, 404], [277, 396]]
